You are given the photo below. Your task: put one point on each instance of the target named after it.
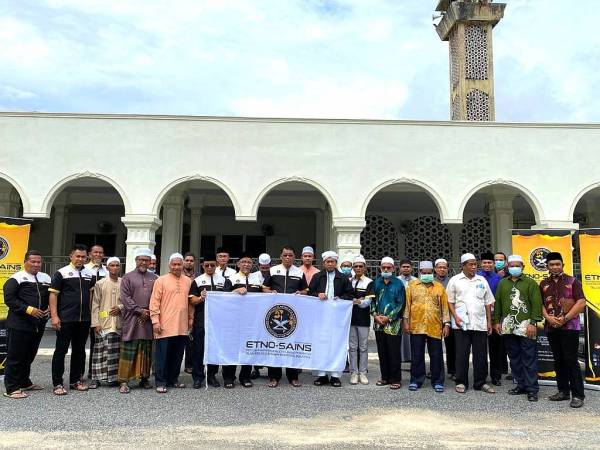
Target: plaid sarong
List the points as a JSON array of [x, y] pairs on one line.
[[105, 359], [135, 360]]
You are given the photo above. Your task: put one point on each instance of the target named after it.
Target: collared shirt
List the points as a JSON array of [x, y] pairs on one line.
[[204, 282], [107, 294], [442, 281], [21, 291], [309, 273], [252, 282], [426, 308], [518, 304], [470, 297], [389, 301], [191, 275], [563, 286], [136, 289], [406, 279], [286, 280], [225, 273], [169, 305], [329, 290], [492, 278], [73, 287], [363, 289], [99, 270]]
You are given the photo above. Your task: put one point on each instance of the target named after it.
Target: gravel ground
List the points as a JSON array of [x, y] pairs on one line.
[[308, 417]]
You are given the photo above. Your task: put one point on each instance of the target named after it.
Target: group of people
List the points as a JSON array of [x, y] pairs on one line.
[[141, 322]]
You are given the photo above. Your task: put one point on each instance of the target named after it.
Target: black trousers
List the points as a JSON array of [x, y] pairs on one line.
[[436, 359], [198, 336], [189, 354], [477, 341], [22, 346], [72, 334], [168, 356], [92, 343], [390, 360], [565, 346], [498, 363], [276, 372], [450, 344], [523, 359], [229, 373]]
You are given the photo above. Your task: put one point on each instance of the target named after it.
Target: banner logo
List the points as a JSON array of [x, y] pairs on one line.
[[4, 248], [537, 258], [281, 321]]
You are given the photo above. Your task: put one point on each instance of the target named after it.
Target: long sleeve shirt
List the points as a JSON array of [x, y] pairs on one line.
[[136, 289], [107, 295], [388, 301], [170, 306], [518, 304]]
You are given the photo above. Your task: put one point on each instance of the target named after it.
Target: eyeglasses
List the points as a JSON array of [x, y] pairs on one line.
[[209, 265], [359, 266]]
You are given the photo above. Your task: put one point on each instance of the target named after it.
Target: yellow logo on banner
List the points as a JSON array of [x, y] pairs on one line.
[[14, 240], [589, 249]]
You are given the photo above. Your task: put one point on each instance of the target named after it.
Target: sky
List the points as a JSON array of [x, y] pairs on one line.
[[358, 59]]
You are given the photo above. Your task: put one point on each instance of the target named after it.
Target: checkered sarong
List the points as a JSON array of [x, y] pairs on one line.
[[105, 359], [135, 360]]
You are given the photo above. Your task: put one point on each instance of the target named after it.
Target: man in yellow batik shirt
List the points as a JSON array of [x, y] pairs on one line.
[[427, 320]]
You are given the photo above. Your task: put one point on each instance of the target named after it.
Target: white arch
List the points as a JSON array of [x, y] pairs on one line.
[[163, 193], [319, 187], [580, 195], [532, 200], [439, 202], [58, 187], [10, 180]]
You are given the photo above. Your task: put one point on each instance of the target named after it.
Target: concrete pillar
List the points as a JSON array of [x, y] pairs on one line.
[[501, 221], [58, 230], [9, 201], [455, 229], [347, 231], [172, 228], [196, 204], [141, 231]]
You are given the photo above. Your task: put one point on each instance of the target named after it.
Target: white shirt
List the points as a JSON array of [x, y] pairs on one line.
[[470, 296]]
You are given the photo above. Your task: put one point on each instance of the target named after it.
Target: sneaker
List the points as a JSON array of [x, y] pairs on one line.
[[576, 402], [363, 378], [354, 378]]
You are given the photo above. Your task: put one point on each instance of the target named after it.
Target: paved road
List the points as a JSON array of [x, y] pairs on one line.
[[308, 417]]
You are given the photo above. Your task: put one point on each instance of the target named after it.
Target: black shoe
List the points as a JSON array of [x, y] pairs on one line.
[[516, 391], [576, 402], [509, 377], [497, 382], [321, 381], [335, 382], [188, 370], [532, 397], [212, 381], [559, 397], [255, 374], [197, 385]]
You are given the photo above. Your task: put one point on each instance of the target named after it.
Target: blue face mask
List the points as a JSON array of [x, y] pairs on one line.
[[515, 271], [426, 277], [499, 264], [346, 270], [387, 275]]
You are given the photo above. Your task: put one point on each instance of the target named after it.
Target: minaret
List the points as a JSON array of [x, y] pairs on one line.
[[467, 25]]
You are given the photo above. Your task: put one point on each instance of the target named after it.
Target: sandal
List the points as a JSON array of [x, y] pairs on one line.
[[59, 390], [413, 387], [488, 389], [247, 383], [382, 383], [179, 385], [438, 388], [33, 387], [124, 388], [321, 381], [296, 383], [161, 389], [145, 384], [460, 388], [273, 383], [95, 384], [395, 386], [229, 385], [16, 394], [79, 386]]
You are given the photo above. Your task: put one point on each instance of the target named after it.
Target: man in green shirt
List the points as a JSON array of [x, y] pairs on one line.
[[517, 310]]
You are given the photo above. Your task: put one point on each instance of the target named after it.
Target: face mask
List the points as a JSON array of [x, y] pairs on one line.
[[387, 275], [426, 277], [499, 264], [346, 270], [515, 271]]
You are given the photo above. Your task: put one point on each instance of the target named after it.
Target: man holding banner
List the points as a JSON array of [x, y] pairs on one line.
[[563, 302], [26, 295]]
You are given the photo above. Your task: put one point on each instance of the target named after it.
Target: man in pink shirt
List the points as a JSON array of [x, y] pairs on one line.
[[308, 255], [172, 318]]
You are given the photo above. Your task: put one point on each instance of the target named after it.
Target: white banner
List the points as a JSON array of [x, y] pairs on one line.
[[277, 330]]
